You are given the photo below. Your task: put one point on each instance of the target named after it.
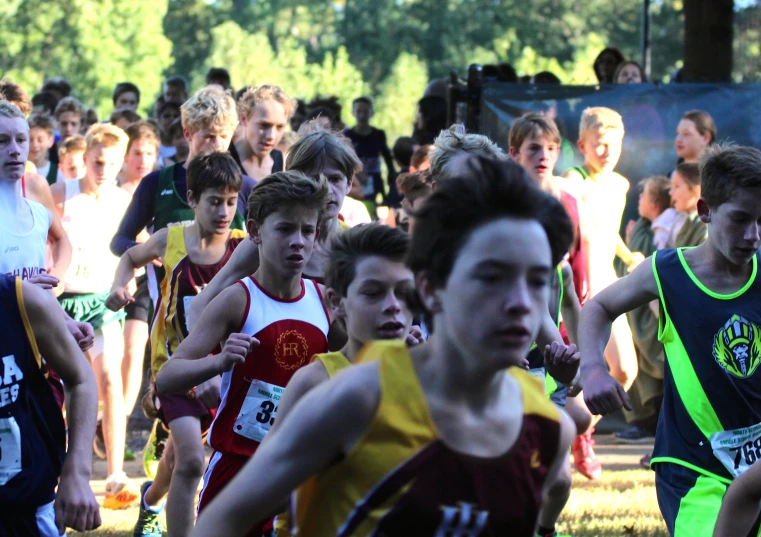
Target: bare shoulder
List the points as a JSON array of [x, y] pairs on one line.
[[59, 192], [308, 377], [357, 387], [620, 181]]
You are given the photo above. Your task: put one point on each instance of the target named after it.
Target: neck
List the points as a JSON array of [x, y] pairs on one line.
[[456, 377], [362, 128], [11, 200], [207, 238], [42, 160], [591, 172], [549, 185], [86, 186], [247, 154], [352, 348], [128, 178], [720, 264], [286, 287], [328, 228]]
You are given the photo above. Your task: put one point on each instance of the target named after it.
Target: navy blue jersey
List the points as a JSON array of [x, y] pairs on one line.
[[32, 434], [711, 414]]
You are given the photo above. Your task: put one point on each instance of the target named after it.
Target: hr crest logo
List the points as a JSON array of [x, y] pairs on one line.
[[737, 347], [291, 350]]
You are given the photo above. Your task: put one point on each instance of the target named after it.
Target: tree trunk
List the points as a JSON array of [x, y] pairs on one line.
[[708, 40]]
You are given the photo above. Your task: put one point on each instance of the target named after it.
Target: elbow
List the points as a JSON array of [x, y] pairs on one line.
[[164, 383]]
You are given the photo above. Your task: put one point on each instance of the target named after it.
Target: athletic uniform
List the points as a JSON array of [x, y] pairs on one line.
[[51, 173], [183, 281], [401, 479], [290, 331], [32, 431], [709, 431], [333, 363], [90, 223], [24, 254]]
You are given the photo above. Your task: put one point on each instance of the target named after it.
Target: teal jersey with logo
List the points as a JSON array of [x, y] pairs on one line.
[[711, 415]]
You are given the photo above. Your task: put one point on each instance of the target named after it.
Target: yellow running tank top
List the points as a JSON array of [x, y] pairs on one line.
[[401, 479]]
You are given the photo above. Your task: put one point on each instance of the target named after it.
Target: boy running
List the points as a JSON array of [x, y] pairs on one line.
[[42, 138], [90, 209], [191, 256], [432, 441], [273, 322], [710, 326]]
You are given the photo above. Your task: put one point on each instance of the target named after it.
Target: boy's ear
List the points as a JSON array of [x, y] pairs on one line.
[[704, 212], [253, 231], [429, 295], [191, 200], [334, 301], [514, 153], [580, 145], [186, 134]]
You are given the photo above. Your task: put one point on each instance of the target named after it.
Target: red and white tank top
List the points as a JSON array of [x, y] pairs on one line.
[[290, 332]]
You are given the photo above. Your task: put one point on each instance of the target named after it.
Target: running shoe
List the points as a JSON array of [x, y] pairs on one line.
[[121, 493], [584, 458], [148, 524], [129, 455], [634, 435], [154, 448]]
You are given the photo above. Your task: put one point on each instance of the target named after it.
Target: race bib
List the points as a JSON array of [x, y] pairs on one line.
[[10, 449], [186, 300], [539, 373], [257, 415], [738, 449]]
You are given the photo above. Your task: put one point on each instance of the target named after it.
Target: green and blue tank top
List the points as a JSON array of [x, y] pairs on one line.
[[711, 415]]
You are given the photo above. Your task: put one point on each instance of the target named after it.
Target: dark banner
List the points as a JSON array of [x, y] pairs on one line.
[[651, 113]]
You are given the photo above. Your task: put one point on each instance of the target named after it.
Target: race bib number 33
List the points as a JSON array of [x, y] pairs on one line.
[[738, 449], [257, 415]]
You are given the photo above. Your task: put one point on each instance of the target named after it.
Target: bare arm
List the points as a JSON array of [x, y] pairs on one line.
[[740, 507], [567, 433], [330, 420], [75, 503], [191, 364], [243, 262], [570, 308], [622, 251], [301, 383], [38, 190], [601, 392], [134, 258], [58, 191]]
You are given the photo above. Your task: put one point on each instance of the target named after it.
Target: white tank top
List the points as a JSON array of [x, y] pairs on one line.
[[23, 254], [91, 223]]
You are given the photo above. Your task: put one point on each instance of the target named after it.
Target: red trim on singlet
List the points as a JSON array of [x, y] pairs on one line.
[[248, 306], [278, 299], [23, 186], [322, 300]]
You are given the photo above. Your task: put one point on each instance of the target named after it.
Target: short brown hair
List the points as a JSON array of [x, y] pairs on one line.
[[355, 244], [659, 191], [725, 169], [287, 189], [265, 92], [415, 185], [531, 126], [13, 93], [455, 140], [318, 146], [213, 170], [69, 104], [71, 145], [703, 123], [142, 130], [124, 113], [489, 190], [41, 121], [690, 172], [421, 156]]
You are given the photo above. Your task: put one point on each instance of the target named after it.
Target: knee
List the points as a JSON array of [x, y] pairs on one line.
[[560, 487], [189, 463], [582, 420]]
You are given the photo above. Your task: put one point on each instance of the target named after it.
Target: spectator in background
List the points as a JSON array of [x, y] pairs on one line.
[[695, 132], [685, 193], [299, 115], [327, 107], [70, 115], [606, 63], [370, 144], [89, 119], [502, 72], [168, 111], [44, 102], [629, 72], [220, 77], [175, 89], [545, 77], [58, 86], [122, 118], [402, 151], [430, 120], [289, 138], [126, 96]]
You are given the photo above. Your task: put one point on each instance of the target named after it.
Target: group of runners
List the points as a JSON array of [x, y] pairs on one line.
[[364, 380]]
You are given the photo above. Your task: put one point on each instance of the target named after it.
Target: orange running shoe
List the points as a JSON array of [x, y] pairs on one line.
[[584, 458], [121, 493]]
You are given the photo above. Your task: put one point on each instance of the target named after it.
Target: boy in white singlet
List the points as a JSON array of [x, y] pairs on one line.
[[91, 209]]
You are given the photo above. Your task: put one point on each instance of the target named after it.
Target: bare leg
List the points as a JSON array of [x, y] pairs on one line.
[[135, 338], [578, 412], [188, 470], [160, 486], [557, 496], [108, 370]]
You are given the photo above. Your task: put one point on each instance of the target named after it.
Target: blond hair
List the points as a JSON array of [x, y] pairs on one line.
[[8, 109], [106, 135], [71, 145], [287, 189], [455, 141], [600, 119], [209, 106], [265, 92]]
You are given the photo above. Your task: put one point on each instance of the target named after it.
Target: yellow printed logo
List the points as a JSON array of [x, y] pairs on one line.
[[291, 350], [737, 347], [535, 462]]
